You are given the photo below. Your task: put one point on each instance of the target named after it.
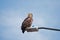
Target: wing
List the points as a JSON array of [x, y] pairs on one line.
[[26, 23]]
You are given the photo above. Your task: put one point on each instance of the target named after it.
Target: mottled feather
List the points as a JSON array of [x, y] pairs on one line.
[[26, 23]]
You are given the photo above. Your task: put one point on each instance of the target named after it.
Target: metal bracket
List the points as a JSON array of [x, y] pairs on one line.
[[31, 29]]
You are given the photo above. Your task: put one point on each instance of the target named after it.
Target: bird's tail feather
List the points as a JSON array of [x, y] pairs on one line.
[[23, 31]]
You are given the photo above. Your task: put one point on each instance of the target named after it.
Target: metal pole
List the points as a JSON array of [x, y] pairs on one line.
[[36, 29], [54, 29]]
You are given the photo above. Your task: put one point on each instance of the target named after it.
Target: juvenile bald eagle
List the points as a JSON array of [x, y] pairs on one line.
[[27, 22]]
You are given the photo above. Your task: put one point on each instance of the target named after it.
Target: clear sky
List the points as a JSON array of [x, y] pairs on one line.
[[45, 13]]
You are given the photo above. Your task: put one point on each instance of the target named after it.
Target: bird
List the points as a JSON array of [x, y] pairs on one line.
[[27, 22]]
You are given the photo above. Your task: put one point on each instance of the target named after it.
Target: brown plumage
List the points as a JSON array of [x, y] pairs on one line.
[[27, 22]]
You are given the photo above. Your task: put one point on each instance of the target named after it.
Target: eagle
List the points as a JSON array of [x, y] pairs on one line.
[[27, 22]]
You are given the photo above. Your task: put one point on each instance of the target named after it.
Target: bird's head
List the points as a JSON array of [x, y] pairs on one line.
[[30, 15]]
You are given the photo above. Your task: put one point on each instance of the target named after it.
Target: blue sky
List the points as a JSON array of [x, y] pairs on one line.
[[45, 13]]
